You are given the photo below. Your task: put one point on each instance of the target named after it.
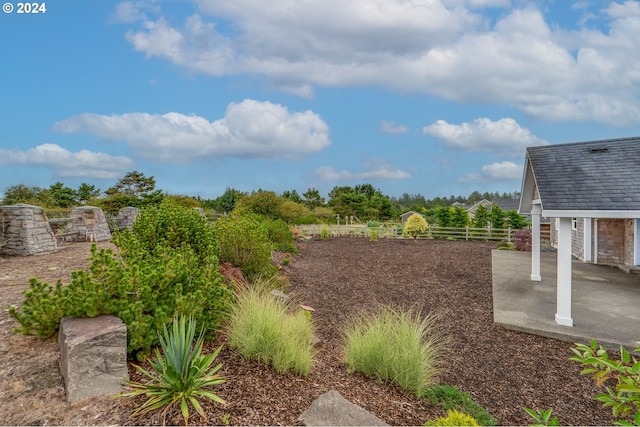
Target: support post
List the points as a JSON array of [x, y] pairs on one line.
[[587, 240], [563, 283], [536, 211]]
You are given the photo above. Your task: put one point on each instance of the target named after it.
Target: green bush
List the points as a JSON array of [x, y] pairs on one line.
[[450, 397], [504, 246], [244, 242], [373, 236], [281, 236], [453, 418], [144, 286], [173, 226], [269, 329], [324, 234], [398, 346], [415, 225], [182, 375], [373, 224], [624, 398]]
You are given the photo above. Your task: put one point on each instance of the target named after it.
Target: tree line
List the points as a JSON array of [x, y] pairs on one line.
[[359, 203]]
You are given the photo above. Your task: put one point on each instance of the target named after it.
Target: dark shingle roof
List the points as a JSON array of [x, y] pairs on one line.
[[593, 175]]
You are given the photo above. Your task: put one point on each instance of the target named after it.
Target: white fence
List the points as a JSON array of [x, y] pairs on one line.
[[395, 231]]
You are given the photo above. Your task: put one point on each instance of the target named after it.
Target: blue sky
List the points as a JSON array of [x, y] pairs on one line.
[[436, 97]]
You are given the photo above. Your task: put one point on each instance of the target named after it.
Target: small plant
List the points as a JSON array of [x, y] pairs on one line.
[[450, 397], [324, 234], [624, 398], [504, 246], [225, 419], [373, 236], [453, 418], [270, 329], [415, 225], [398, 346], [522, 240], [182, 376], [542, 418], [373, 224], [286, 261]]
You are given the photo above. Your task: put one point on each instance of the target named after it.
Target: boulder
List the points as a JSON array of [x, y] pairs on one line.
[[331, 409], [93, 356]]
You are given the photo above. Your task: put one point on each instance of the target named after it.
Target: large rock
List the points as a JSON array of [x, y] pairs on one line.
[[331, 409], [93, 356]]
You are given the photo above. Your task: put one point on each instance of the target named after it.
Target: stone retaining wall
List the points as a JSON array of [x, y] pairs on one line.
[[89, 224]]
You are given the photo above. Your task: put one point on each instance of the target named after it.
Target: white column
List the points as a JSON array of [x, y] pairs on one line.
[[586, 252], [563, 285], [536, 211]]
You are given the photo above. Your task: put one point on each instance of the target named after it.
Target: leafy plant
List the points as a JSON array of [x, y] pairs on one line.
[[450, 397], [504, 246], [144, 286], [624, 397], [542, 418], [398, 346], [415, 225], [280, 234], [182, 376], [270, 329], [286, 261], [522, 240], [373, 235], [373, 224], [453, 418], [244, 242], [324, 234]]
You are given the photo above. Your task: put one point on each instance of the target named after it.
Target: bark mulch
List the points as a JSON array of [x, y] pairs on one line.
[[503, 370]]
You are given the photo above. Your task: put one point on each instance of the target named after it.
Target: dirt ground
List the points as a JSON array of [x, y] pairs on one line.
[[503, 370]]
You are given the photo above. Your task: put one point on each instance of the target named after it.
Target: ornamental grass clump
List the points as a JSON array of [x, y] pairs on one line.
[[402, 347], [181, 377], [271, 329]]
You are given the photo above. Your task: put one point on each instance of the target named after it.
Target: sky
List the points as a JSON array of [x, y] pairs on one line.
[[430, 97]]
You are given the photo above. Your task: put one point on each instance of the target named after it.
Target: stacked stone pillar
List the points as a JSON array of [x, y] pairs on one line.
[[25, 230]]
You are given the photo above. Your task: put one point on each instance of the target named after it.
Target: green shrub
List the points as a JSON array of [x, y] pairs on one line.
[[173, 226], [415, 225], [504, 246], [244, 242], [450, 397], [542, 418], [453, 418], [324, 234], [624, 398], [373, 236], [269, 329], [281, 236], [373, 224], [144, 285], [182, 376], [398, 346]]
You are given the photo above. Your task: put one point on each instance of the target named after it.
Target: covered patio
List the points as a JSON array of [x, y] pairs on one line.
[[605, 300]]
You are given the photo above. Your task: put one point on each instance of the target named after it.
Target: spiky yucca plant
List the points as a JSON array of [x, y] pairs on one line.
[[181, 376]]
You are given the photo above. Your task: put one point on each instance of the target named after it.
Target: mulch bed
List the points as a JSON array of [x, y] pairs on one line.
[[503, 370]]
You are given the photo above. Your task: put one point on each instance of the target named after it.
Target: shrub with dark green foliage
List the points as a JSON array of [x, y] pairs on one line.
[[450, 397], [145, 285], [281, 236], [244, 242]]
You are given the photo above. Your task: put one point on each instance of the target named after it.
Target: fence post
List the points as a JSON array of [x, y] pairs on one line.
[[466, 235], [509, 235]]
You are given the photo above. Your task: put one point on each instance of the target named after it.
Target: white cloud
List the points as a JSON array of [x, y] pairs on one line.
[[249, 129], [500, 171], [85, 164], [444, 48], [375, 169], [393, 128], [504, 136]]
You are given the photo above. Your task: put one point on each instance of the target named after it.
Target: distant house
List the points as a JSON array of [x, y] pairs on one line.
[[472, 210], [591, 191]]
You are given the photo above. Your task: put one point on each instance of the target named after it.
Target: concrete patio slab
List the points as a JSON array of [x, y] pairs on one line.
[[605, 300]]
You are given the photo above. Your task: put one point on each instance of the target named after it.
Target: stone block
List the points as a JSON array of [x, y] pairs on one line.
[[331, 409], [93, 356]]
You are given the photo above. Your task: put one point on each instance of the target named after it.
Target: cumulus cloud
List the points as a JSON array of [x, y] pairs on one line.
[[500, 171], [443, 48], [392, 128], [375, 169], [504, 136], [249, 129], [85, 164]]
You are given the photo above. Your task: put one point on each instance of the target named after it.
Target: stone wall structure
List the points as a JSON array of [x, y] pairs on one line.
[[89, 224], [25, 230], [126, 217]]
